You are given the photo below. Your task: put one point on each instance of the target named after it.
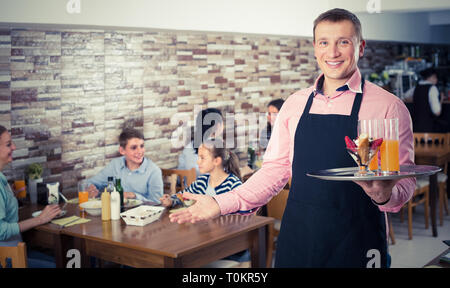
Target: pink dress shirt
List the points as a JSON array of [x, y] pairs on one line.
[[277, 165]]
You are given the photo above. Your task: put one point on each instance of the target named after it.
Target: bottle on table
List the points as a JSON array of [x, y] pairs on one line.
[[115, 205], [120, 190], [106, 205], [110, 186]]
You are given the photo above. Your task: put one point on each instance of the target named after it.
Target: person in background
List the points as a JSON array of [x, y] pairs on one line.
[[140, 177], [219, 168], [10, 227], [219, 172], [273, 108], [427, 105], [209, 123], [325, 223]]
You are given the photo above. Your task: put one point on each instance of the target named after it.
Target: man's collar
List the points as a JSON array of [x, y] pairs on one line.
[[353, 84], [141, 168], [425, 82]]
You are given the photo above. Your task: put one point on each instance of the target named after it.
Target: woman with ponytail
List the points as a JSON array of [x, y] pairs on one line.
[[219, 168], [220, 174]]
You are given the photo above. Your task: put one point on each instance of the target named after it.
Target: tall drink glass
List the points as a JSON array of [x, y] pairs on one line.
[[390, 161], [19, 185], [83, 194]]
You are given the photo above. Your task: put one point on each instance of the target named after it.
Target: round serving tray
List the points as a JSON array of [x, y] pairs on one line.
[[347, 174]]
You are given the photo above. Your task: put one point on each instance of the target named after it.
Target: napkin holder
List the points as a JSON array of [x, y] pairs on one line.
[[46, 191]]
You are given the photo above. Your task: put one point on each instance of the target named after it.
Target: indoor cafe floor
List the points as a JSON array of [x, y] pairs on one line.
[[423, 247]]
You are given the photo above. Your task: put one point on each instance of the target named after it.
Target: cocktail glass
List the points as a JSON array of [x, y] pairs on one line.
[[362, 157]]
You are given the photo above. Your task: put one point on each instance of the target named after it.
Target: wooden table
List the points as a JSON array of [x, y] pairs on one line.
[[161, 243], [436, 156], [47, 236]]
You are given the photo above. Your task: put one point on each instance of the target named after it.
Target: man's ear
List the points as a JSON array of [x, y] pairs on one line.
[[362, 46], [121, 151]]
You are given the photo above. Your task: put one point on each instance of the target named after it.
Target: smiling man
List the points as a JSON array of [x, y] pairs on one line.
[[325, 223], [140, 177]]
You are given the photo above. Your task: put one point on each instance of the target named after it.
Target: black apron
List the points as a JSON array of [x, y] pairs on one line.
[[328, 223]]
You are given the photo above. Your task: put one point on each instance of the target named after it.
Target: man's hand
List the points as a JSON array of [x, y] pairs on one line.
[[130, 195], [379, 190], [205, 208], [92, 190]]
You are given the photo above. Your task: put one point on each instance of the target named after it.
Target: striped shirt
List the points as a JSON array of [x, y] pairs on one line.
[[201, 186]]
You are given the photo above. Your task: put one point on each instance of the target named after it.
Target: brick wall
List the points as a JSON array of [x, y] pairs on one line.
[[66, 94]]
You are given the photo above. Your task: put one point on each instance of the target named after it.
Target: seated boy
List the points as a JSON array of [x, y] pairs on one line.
[[140, 177]]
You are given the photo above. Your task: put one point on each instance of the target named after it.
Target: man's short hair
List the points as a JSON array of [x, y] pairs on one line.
[[428, 73], [338, 15], [128, 134]]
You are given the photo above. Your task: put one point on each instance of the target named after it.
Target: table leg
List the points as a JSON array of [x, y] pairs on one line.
[[258, 250], [433, 200], [172, 263], [59, 251]]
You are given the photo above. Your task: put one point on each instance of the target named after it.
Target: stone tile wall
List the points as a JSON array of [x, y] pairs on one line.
[[66, 94]]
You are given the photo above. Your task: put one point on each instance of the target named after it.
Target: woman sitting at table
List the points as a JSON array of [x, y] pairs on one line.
[[273, 108], [220, 174], [209, 123], [10, 227], [140, 177]]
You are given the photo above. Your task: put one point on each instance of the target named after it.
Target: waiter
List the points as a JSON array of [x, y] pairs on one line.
[[325, 223], [426, 103]]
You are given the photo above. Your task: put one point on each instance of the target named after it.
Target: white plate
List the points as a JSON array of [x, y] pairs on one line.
[[37, 213]]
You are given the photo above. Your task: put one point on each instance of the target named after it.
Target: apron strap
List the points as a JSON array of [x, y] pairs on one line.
[[355, 107], [357, 102]]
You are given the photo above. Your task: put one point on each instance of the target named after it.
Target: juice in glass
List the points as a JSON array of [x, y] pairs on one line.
[[83, 196], [20, 185], [389, 156]]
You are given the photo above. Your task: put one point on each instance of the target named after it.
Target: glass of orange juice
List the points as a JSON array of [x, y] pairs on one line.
[[19, 185], [390, 162], [83, 194]]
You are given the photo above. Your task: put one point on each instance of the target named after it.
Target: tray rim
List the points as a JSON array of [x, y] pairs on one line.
[[314, 174]]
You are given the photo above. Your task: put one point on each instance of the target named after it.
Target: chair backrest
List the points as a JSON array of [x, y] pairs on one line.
[[276, 205], [432, 138], [18, 255], [246, 172], [186, 177], [435, 139]]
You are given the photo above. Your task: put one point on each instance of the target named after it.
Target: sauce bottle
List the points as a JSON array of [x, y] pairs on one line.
[[106, 205]]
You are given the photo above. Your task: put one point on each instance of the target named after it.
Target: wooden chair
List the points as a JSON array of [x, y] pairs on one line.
[[246, 172], [422, 188], [275, 209], [17, 254], [186, 178], [437, 139]]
